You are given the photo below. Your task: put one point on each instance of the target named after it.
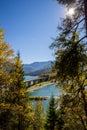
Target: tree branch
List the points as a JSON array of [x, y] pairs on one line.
[[81, 39]]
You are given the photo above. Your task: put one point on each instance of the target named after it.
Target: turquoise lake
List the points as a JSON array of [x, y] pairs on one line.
[[47, 90]]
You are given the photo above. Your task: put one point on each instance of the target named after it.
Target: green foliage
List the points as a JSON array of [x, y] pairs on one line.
[[73, 114], [20, 97], [71, 67], [15, 109], [70, 60], [51, 115], [60, 120], [39, 116], [6, 59], [51, 76], [66, 2]]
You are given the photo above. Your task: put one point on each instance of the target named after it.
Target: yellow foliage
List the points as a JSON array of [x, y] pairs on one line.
[[21, 91], [5, 105], [31, 114]]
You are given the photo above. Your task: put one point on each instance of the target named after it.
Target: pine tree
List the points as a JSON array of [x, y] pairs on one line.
[[51, 115], [38, 120], [71, 66], [60, 120], [15, 109], [20, 99]]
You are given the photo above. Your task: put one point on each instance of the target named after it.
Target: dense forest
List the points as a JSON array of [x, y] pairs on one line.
[[69, 112]]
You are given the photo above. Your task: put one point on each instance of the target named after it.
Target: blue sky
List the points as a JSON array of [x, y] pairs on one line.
[[30, 26]]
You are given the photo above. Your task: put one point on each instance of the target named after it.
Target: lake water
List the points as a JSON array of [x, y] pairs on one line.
[[28, 77], [48, 90]]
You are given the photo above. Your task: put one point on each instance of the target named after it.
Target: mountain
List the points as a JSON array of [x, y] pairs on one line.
[[37, 68]]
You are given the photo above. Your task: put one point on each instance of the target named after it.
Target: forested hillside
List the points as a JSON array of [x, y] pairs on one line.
[[37, 68]]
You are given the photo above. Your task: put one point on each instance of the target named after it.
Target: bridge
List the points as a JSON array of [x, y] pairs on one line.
[[35, 81]]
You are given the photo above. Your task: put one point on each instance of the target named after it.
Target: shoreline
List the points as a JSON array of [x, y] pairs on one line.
[[33, 88]]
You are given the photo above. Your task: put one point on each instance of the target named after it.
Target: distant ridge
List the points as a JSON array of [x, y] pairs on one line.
[[37, 68]]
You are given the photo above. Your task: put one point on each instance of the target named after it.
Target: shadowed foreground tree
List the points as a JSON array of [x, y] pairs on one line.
[[71, 66]]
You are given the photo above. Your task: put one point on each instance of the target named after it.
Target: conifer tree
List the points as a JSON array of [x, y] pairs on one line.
[[38, 120], [71, 65], [20, 96], [51, 117], [15, 109], [6, 60]]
